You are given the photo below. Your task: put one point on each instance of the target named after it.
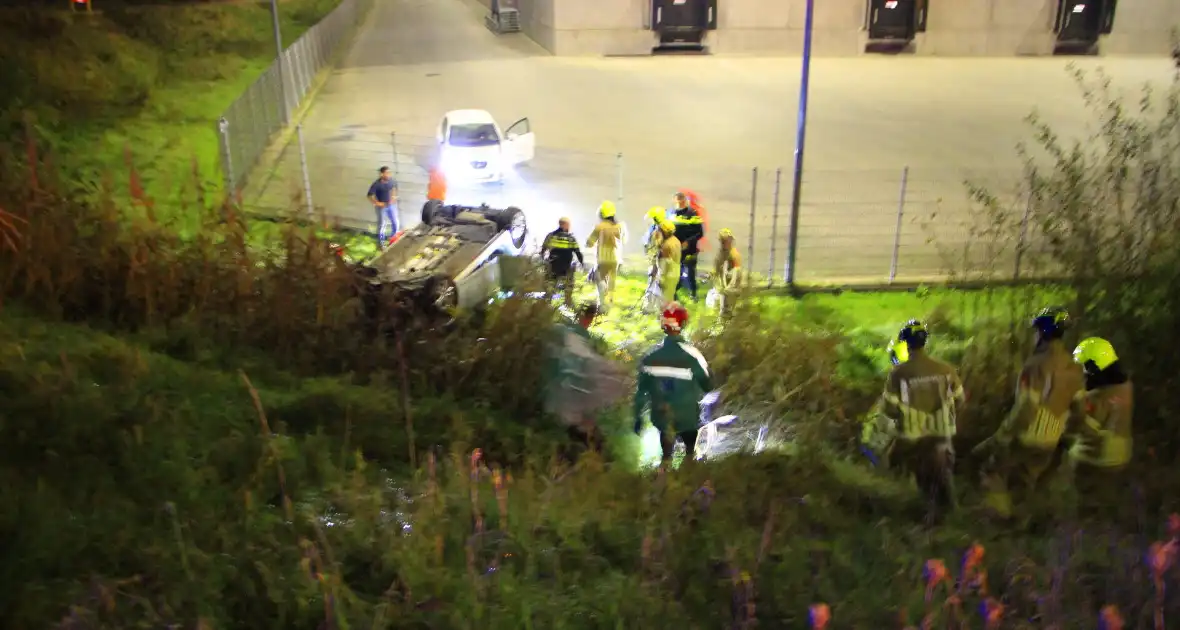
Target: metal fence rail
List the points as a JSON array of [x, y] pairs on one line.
[[869, 226], [249, 124]]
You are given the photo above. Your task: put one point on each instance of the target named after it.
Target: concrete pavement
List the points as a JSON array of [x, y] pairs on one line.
[[697, 122]]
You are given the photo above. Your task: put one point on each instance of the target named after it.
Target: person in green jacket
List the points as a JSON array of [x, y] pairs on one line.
[[673, 378]]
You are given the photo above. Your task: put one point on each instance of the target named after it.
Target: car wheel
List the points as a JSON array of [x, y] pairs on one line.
[[512, 219], [430, 210]]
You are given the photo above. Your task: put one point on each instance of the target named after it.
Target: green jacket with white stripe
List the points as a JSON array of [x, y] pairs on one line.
[[673, 378]]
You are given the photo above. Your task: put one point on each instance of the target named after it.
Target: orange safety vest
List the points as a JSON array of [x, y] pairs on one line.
[[436, 190]]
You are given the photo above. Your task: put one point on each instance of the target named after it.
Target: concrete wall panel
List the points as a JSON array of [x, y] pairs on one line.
[[954, 27], [1142, 27], [575, 15], [742, 16]]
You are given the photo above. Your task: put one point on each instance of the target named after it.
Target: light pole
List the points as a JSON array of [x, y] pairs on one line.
[[800, 142], [284, 112]]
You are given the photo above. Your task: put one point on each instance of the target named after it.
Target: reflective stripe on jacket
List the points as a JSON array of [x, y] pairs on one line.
[[920, 397], [673, 378], [1048, 386], [1104, 434]]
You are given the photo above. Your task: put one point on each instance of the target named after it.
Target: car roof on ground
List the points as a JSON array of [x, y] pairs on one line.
[[469, 117]]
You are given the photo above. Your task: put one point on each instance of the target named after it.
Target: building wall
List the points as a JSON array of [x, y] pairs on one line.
[[953, 28]]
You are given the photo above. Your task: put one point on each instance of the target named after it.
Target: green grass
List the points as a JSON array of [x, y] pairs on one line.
[[179, 500], [147, 93]]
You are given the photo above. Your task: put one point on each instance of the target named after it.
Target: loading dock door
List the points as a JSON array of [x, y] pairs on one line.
[[1082, 21], [893, 19], [683, 20]]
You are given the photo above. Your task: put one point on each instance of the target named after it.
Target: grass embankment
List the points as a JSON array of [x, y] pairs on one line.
[[145, 489], [143, 84]]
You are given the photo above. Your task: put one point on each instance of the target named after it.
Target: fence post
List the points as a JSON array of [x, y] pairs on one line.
[[1023, 235], [306, 173], [905, 178], [778, 181], [619, 180], [753, 211], [397, 169], [285, 108], [227, 158]]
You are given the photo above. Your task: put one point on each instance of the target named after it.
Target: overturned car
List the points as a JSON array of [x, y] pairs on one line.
[[452, 258]]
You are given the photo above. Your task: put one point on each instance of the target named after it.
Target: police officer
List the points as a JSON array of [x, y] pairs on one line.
[[673, 378], [559, 250], [608, 236], [920, 396], [1024, 448], [1101, 427], [727, 268], [690, 229], [668, 262]]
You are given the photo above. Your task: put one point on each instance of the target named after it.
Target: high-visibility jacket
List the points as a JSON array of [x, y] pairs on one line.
[[559, 249], [920, 397], [608, 237], [690, 229], [1103, 426], [673, 378], [727, 262], [669, 260], [1048, 386]]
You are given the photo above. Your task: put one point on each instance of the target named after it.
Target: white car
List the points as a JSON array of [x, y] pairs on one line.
[[472, 147]]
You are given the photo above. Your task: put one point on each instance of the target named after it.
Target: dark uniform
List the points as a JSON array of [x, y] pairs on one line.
[[672, 380], [559, 250], [1024, 447], [690, 229], [919, 399]]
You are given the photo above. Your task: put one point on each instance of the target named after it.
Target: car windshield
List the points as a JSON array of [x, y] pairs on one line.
[[474, 135]]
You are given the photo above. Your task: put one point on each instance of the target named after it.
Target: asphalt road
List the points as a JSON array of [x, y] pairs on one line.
[[633, 130]]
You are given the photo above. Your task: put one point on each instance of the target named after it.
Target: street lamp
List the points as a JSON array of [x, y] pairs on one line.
[[800, 142]]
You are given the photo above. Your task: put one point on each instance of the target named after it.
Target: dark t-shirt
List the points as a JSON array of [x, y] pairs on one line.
[[381, 190]]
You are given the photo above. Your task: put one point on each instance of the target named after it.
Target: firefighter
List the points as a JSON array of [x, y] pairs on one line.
[[690, 229], [668, 262], [559, 251], [651, 245], [727, 267], [673, 378], [1101, 426], [608, 236], [920, 400], [1024, 448]]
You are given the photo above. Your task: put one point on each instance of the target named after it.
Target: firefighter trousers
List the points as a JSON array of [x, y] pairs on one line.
[[931, 460]]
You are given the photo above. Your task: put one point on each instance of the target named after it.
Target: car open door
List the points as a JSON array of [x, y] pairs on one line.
[[520, 142]]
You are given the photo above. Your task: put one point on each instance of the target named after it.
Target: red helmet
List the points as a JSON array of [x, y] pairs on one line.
[[675, 317]]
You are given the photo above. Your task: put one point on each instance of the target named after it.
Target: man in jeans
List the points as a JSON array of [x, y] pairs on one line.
[[383, 196]]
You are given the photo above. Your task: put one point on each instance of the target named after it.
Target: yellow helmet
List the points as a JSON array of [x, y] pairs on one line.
[[667, 227], [898, 352], [657, 213], [1095, 350], [607, 209], [725, 233]]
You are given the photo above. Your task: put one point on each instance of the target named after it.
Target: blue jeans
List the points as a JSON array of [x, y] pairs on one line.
[[386, 217]]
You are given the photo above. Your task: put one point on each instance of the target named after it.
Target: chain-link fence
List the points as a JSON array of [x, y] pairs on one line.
[[867, 226], [248, 126]]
